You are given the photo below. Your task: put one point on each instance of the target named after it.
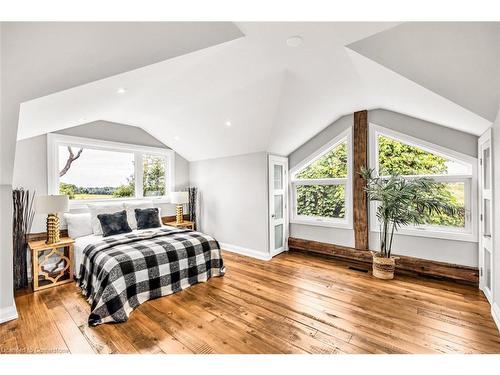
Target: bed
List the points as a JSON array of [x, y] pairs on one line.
[[118, 273]]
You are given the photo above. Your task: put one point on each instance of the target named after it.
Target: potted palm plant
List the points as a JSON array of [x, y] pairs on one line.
[[401, 201]]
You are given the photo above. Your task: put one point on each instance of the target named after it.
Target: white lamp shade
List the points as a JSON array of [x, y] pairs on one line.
[[51, 204], [179, 197]]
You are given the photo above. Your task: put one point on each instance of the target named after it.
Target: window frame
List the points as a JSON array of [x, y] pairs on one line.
[[470, 232], [54, 141], [346, 222]]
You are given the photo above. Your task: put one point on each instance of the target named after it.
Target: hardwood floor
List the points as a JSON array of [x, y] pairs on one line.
[[295, 303]]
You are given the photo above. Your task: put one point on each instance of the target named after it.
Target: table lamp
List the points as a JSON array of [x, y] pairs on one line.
[[179, 198], [52, 205]]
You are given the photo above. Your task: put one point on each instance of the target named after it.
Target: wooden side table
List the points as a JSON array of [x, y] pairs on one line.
[[184, 224], [52, 264]]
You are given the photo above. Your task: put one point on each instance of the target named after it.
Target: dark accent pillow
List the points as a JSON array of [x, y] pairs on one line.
[[115, 223], [147, 218]]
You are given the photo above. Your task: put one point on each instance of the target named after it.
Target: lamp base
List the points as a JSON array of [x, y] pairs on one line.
[[53, 233], [179, 214]]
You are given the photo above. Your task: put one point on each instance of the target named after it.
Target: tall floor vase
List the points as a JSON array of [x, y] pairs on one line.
[[193, 204], [22, 221]]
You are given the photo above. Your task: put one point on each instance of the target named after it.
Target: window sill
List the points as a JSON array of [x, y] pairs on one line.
[[453, 236], [322, 223]]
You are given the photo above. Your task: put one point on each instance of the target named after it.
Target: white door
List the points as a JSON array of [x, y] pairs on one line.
[[485, 215], [278, 208]]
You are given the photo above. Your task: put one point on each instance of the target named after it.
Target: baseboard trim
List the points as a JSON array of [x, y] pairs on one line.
[[244, 251], [273, 254], [495, 313], [8, 313], [404, 264]]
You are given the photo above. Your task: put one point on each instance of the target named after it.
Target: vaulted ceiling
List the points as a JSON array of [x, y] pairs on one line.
[[42, 58], [458, 60], [228, 89]]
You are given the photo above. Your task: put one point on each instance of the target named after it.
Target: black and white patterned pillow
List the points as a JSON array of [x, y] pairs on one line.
[[115, 223], [147, 218]]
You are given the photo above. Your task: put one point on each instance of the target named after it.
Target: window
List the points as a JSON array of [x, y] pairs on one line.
[[321, 185], [392, 153], [88, 169], [153, 176], [86, 173]]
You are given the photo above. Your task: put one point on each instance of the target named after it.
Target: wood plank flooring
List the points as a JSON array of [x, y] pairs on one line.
[[295, 303]]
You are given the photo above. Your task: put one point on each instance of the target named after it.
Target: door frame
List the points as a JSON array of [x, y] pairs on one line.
[[272, 160], [488, 242]]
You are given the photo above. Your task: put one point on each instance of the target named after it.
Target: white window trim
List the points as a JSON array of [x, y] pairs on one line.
[[345, 223], [56, 140], [470, 233]]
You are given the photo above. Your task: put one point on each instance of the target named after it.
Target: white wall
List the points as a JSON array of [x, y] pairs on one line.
[[7, 305], [8, 128], [234, 201], [30, 165], [496, 219], [449, 251]]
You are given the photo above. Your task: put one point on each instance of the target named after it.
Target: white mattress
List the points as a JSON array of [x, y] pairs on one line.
[[82, 242]]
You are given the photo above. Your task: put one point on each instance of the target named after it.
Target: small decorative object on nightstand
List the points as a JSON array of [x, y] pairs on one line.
[[52, 205], [179, 198], [184, 224], [52, 264]]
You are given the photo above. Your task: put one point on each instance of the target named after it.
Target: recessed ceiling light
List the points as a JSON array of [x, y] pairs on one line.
[[294, 41], [176, 138], [121, 90], [228, 123]]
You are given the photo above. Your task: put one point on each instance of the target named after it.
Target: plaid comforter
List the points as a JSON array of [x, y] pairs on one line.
[[121, 272]]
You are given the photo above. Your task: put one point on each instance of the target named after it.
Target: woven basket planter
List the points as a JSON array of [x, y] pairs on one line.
[[383, 268]]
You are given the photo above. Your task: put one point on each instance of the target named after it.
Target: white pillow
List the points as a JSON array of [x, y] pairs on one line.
[[131, 206], [79, 225], [102, 208]]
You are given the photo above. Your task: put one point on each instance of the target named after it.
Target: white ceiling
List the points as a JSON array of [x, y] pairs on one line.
[[276, 97], [458, 60], [54, 56]]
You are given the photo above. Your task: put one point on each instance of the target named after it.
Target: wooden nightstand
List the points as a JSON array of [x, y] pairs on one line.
[[52, 264], [184, 224]]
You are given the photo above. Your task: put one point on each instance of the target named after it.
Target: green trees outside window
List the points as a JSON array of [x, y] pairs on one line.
[[395, 158], [331, 165], [323, 200], [400, 159], [153, 180]]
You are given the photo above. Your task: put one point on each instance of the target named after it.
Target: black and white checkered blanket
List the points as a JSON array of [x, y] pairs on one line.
[[121, 272]]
